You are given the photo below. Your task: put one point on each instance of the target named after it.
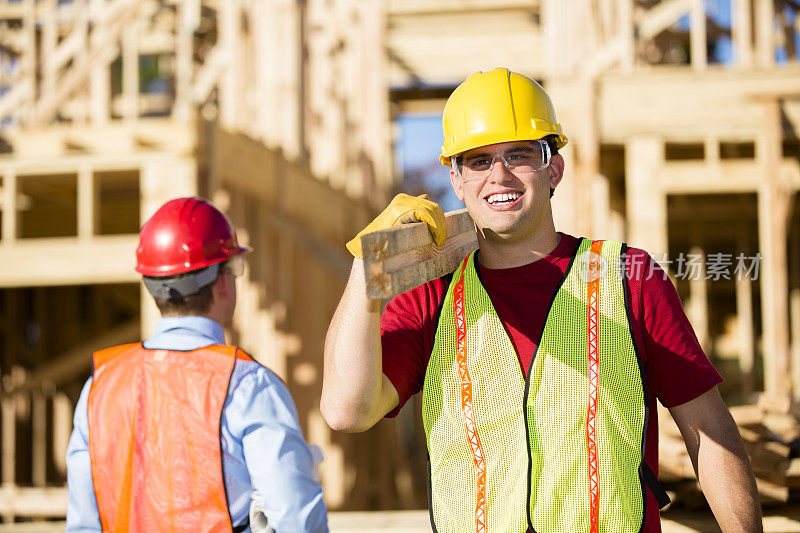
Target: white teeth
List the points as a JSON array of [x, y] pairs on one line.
[[505, 197]]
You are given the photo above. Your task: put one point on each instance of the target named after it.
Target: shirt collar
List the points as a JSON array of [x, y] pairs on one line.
[[189, 326]]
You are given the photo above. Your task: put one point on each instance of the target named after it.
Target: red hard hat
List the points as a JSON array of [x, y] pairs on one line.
[[185, 234]]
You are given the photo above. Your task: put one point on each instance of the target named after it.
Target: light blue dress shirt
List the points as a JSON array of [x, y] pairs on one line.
[[262, 446]]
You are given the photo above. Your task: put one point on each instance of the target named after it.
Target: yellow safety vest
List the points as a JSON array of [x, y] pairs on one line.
[[562, 451]]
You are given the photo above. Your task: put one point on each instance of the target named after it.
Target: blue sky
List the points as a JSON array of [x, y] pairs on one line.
[[418, 145]]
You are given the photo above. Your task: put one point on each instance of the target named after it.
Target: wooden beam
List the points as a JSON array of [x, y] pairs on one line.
[[403, 257], [794, 307], [39, 439], [9, 207], [184, 60], [87, 202], [229, 41], [772, 237], [50, 502], [662, 16], [62, 428], [425, 7], [9, 441], [100, 52], [68, 261], [697, 307], [626, 29], [645, 200], [130, 72], [744, 319], [697, 36], [742, 32], [765, 36]]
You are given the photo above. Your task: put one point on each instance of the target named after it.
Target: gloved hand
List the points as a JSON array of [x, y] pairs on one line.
[[404, 209]]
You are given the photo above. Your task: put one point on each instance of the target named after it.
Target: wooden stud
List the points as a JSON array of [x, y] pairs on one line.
[[87, 203], [99, 75], [49, 29], [9, 200], [697, 36], [183, 61], [794, 307], [772, 226], [588, 158], [130, 72], [744, 321], [765, 37], [742, 32], [39, 439], [697, 308], [61, 430], [625, 27], [9, 439], [229, 42], [645, 201]]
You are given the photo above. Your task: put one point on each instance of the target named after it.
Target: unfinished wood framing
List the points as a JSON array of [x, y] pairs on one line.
[[280, 111], [744, 317], [773, 203]]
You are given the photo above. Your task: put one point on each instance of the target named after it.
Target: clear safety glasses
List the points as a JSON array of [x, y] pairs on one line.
[[235, 265], [520, 159]]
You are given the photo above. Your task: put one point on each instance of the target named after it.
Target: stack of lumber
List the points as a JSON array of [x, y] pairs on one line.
[[771, 437]]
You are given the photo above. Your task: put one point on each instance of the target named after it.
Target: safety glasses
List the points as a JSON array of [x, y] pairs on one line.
[[235, 265], [520, 159]]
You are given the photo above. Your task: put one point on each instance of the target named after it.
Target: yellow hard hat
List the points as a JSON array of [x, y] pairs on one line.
[[495, 107]]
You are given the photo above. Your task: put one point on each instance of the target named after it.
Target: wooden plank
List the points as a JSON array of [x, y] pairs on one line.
[[30, 262], [403, 257], [742, 33], [662, 16], [773, 204], [99, 55], [697, 36], [23, 501]]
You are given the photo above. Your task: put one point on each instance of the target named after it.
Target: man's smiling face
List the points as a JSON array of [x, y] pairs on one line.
[[507, 205]]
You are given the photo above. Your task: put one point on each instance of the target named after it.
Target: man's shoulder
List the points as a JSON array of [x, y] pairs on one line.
[[251, 370]]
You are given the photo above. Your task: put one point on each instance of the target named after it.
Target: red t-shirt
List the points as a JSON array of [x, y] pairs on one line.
[[677, 370]]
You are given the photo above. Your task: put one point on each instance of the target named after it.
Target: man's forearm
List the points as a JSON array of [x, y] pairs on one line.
[[726, 478], [355, 393], [720, 462]]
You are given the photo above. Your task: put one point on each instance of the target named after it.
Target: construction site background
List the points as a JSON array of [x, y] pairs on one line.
[[302, 118]]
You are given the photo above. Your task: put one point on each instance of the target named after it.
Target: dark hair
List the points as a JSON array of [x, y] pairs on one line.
[[196, 304], [551, 141]]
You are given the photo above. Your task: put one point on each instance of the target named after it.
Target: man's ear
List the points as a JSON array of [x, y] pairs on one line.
[[222, 287], [555, 171], [458, 185]]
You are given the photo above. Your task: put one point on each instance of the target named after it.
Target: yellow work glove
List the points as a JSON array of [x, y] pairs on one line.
[[405, 209]]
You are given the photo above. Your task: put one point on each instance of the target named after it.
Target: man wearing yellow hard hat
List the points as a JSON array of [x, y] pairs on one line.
[[541, 357]]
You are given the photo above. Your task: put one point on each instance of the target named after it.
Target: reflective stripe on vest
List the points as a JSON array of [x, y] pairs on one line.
[[155, 448], [580, 415]]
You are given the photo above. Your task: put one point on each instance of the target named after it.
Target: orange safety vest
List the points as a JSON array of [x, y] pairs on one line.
[[154, 437]]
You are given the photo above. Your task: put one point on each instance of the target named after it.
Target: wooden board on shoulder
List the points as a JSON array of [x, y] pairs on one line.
[[403, 257]]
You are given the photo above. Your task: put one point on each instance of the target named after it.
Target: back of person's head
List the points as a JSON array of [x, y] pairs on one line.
[[183, 248]]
